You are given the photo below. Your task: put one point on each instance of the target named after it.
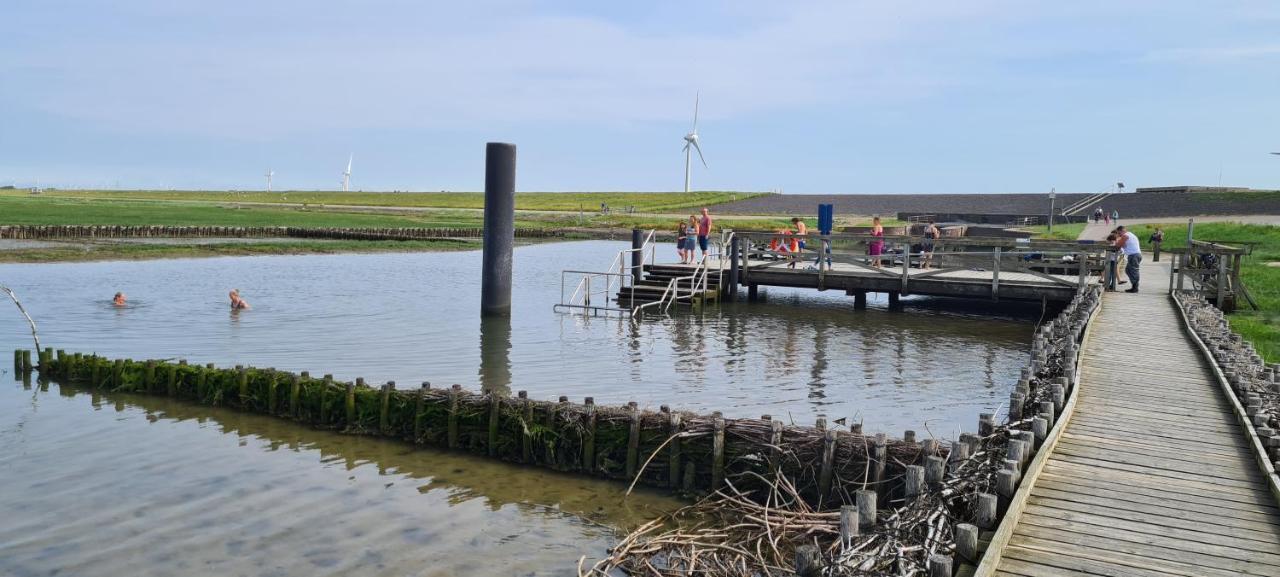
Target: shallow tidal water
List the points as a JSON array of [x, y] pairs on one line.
[[106, 485], [413, 317]]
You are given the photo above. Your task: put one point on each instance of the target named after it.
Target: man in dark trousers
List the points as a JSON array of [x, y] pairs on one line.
[[1127, 242]]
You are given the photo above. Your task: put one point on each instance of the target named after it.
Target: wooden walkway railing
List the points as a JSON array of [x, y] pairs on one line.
[[1152, 473]]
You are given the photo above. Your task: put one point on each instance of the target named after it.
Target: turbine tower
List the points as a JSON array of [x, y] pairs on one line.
[[691, 141], [270, 173], [346, 176]]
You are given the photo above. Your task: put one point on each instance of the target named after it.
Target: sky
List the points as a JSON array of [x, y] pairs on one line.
[[850, 96]]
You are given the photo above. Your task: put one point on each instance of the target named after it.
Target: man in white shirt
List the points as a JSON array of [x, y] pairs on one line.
[[1127, 242]]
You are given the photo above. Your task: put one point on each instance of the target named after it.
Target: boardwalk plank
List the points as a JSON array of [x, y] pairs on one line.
[[1184, 552]]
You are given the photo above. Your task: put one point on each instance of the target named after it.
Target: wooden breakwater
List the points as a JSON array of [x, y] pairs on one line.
[[682, 451], [68, 232]]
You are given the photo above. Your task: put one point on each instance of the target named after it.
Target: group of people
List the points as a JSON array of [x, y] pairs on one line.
[[1100, 215], [1127, 255], [237, 302], [790, 241], [692, 235]]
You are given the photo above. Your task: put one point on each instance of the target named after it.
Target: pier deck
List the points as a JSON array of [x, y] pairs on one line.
[[980, 283], [1152, 474]]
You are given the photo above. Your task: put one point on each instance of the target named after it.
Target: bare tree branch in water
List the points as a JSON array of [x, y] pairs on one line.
[[34, 335]]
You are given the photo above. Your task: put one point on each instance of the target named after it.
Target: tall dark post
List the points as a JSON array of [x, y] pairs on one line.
[[637, 256], [731, 291], [499, 228]]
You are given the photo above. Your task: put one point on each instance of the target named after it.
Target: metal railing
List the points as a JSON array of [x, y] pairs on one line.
[[596, 290]]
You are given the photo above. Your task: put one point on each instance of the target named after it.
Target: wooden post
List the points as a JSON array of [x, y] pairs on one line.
[[295, 391], [242, 380], [526, 446], [717, 453], [384, 417], [986, 424], [633, 439], [271, 392], [906, 265], [1040, 427], [959, 454], [117, 372], [17, 360], [848, 525], [324, 399], [495, 413], [553, 419], [934, 468], [149, 376], [351, 403], [986, 511], [454, 393], [808, 561], [1007, 484], [1222, 281], [589, 436], [881, 448], [1018, 452], [914, 482], [673, 450], [775, 447], [866, 501], [939, 565], [828, 464], [995, 276], [418, 405], [966, 536]]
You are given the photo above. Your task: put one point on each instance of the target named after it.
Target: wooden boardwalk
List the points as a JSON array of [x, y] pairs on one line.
[[1152, 474]]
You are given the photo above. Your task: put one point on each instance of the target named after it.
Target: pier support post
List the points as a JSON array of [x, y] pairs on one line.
[[859, 300], [637, 256], [499, 228], [894, 302], [753, 293], [731, 289]]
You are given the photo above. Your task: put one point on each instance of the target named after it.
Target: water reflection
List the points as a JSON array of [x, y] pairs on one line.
[[495, 354], [114, 484]]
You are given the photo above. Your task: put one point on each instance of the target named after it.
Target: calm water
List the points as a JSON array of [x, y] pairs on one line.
[[122, 485], [413, 317]]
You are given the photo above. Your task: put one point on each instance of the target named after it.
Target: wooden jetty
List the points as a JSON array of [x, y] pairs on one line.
[[1151, 472]]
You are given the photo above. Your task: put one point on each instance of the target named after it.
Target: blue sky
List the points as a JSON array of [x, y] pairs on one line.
[[848, 96]]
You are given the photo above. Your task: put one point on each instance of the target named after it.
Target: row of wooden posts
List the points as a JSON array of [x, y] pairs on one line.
[[682, 451], [38, 232]]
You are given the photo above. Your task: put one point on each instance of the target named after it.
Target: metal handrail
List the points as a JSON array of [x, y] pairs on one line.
[[620, 274]]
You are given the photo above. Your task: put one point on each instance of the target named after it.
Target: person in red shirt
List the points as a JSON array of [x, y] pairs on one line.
[[704, 231]]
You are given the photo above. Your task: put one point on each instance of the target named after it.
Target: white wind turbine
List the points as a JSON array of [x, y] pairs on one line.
[[270, 173], [691, 141], [346, 176]]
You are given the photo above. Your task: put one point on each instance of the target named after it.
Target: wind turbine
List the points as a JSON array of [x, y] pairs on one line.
[[691, 141], [346, 176], [270, 173]]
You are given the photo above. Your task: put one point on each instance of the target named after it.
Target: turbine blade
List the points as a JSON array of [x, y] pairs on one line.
[[697, 97], [1276, 153], [699, 149]]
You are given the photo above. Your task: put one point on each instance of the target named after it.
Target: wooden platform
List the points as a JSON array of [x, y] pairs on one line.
[[973, 283], [1152, 474]]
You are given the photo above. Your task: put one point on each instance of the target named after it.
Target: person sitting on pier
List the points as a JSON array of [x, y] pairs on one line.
[[876, 247], [119, 300], [238, 303]]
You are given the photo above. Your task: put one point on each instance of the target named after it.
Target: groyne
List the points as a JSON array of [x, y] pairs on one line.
[[69, 232]]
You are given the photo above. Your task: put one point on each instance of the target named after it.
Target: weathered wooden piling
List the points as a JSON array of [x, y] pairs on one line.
[[454, 410]]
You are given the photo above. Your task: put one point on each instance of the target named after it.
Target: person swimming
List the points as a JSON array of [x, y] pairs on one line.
[[238, 303], [118, 300]]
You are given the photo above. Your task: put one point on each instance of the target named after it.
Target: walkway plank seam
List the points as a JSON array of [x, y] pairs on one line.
[[1152, 474]]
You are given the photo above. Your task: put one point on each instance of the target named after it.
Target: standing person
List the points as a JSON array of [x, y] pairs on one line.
[[931, 234], [1128, 243], [1106, 216], [1157, 239], [876, 247], [704, 231], [682, 235], [1115, 217], [1097, 215]]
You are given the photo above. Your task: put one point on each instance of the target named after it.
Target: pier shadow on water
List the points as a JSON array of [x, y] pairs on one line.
[[114, 484]]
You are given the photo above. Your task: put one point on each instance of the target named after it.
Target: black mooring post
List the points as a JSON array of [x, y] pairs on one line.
[[637, 256], [731, 290], [499, 227]]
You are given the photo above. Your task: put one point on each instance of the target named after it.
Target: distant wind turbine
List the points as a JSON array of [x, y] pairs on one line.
[[346, 176], [691, 141], [270, 173]]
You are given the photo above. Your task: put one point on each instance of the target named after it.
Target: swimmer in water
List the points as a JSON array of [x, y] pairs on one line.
[[238, 303], [119, 300]]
